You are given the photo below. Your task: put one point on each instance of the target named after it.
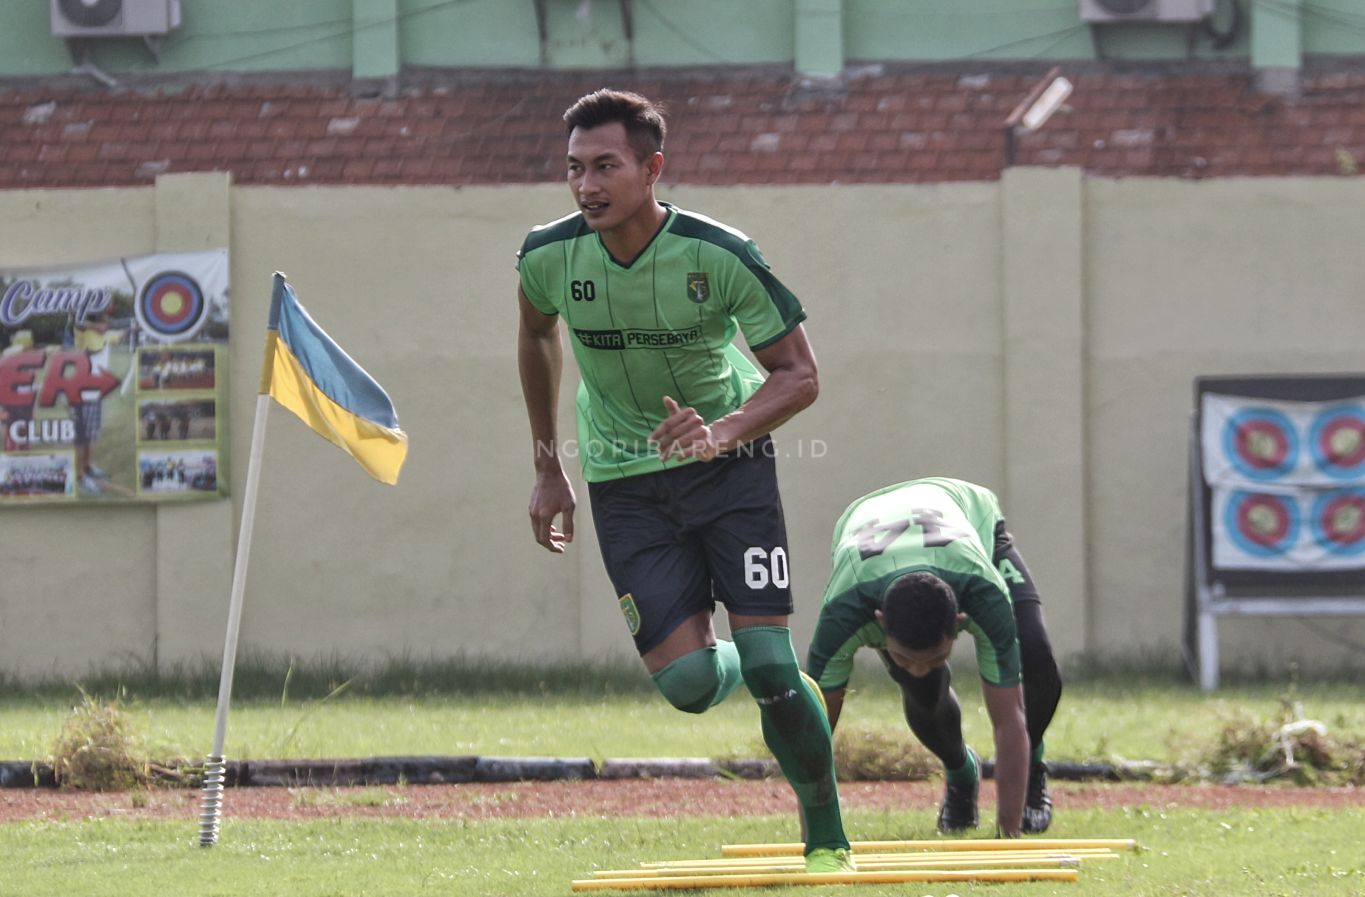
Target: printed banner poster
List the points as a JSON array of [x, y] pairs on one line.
[[1250, 442], [114, 380]]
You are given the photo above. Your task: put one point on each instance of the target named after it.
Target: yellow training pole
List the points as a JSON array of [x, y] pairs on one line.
[[863, 866], [874, 861], [994, 856], [698, 882], [758, 850]]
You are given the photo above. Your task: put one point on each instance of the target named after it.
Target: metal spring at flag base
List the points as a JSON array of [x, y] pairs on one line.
[[211, 810]]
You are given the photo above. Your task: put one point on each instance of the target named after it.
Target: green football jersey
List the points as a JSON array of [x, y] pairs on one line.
[[662, 325], [933, 525]]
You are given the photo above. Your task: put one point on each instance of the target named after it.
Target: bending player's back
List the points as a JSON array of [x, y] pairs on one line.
[[933, 522]]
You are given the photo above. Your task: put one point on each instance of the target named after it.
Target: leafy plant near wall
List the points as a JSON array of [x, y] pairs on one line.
[[97, 750], [1346, 162]]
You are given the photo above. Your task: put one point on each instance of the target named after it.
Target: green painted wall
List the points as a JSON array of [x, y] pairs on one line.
[[480, 32], [1330, 26], [709, 32], [308, 35], [993, 29]]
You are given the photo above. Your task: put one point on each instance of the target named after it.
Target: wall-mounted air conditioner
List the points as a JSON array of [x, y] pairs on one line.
[[114, 18], [1146, 10]]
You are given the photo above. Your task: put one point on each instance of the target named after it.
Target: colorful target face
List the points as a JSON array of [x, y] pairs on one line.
[[1339, 521], [171, 306], [1337, 441], [1261, 443], [1263, 525]]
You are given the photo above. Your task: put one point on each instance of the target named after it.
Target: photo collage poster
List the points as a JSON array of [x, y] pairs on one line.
[[114, 380]]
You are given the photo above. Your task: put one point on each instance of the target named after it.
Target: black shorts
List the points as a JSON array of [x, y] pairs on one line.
[[676, 541], [1015, 573]]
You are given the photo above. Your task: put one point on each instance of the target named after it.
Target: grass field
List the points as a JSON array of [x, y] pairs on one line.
[[1166, 722], [1246, 853], [1265, 852]]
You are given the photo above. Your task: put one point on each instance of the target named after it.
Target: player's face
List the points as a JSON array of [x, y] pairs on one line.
[[919, 662], [609, 184]]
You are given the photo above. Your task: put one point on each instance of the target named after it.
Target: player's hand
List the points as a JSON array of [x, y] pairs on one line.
[[683, 434], [551, 497]]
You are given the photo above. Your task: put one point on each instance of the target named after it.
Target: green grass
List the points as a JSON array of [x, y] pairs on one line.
[[1250, 853], [600, 713], [1165, 722], [280, 679]]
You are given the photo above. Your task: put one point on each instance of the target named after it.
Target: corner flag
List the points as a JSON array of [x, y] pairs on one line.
[[311, 376], [308, 373]]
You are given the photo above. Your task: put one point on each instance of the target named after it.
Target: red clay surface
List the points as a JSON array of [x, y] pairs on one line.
[[634, 797]]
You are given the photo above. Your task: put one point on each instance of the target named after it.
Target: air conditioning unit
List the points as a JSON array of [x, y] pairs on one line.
[[1146, 10], [114, 18]]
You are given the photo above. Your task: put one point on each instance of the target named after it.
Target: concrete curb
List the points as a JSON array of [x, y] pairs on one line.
[[436, 770]]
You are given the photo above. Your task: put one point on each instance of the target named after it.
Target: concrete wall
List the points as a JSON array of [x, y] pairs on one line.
[[1039, 335], [1235, 276]]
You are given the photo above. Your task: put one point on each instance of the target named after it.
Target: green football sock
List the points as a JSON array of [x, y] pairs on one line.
[[794, 728], [966, 774], [1036, 755]]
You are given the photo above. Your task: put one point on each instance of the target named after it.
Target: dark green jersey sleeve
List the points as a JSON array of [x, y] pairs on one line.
[[534, 267], [847, 623], [763, 307], [990, 622]]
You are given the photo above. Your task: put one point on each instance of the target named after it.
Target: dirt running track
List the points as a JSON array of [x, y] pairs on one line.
[[633, 797]]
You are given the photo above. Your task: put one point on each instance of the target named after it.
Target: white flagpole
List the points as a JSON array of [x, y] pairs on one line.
[[215, 768]]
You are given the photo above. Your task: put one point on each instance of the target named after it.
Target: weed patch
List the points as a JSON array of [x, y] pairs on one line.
[[876, 755], [1289, 748], [368, 797], [97, 751]]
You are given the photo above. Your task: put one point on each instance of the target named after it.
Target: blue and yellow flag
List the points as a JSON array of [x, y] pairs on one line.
[[314, 378]]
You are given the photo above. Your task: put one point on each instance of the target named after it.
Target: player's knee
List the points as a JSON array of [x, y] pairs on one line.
[[691, 682], [1035, 648]]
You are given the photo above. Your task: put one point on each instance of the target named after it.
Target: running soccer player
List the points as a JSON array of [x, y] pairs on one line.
[[913, 565], [673, 425]]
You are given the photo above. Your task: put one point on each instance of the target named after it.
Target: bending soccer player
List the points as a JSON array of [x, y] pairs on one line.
[[914, 565], [673, 425]]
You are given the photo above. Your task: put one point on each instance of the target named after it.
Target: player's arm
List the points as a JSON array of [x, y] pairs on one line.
[[1005, 705], [829, 660], [540, 360], [834, 705], [792, 385], [986, 601]]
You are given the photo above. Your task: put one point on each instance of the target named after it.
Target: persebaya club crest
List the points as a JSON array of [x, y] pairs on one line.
[[698, 287], [631, 613]]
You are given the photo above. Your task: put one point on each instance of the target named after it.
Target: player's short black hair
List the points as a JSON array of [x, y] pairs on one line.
[[642, 118], [918, 610]]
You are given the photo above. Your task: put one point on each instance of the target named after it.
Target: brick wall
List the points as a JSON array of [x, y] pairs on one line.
[[879, 124]]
